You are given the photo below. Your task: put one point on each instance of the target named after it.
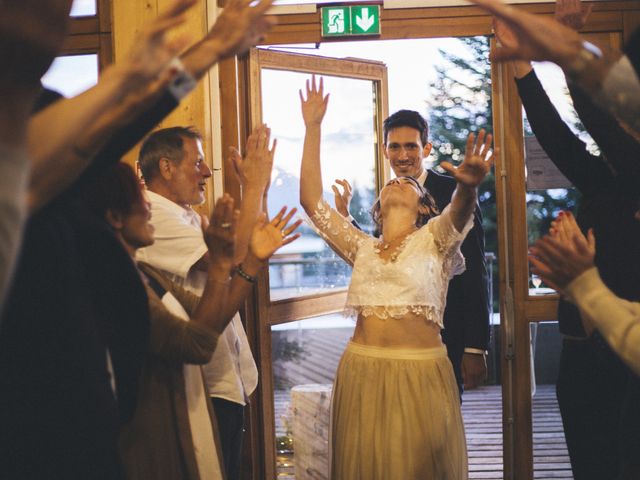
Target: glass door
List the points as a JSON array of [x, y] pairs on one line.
[[301, 328]]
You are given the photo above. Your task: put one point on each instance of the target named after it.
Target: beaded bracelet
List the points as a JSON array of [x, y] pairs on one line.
[[244, 274]]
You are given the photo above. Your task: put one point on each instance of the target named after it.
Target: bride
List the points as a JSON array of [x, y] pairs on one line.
[[396, 410]]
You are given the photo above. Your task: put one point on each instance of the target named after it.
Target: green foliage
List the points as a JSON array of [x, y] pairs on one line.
[[461, 104]]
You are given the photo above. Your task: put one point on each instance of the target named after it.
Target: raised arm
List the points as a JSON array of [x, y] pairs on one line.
[[619, 148], [106, 133], [475, 166], [254, 174], [586, 171], [220, 239], [314, 108], [339, 233], [607, 75], [64, 137], [194, 341], [240, 26], [267, 237]]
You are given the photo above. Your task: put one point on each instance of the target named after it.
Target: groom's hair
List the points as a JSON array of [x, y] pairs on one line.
[[407, 118]]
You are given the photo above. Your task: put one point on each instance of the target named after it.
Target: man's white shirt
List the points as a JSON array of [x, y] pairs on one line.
[[231, 374]]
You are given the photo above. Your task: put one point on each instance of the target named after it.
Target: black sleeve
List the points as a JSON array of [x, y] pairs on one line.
[[475, 284], [618, 148], [467, 312], [129, 135], [587, 172]]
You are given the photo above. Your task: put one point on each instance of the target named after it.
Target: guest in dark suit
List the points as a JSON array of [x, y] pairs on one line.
[[595, 390], [466, 317]]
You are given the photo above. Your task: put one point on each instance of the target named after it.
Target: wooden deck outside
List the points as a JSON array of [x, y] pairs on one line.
[[481, 408]]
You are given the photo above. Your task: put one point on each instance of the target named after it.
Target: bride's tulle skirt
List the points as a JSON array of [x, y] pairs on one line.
[[396, 416]]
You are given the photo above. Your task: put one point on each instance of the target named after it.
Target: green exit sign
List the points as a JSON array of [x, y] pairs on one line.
[[355, 20]]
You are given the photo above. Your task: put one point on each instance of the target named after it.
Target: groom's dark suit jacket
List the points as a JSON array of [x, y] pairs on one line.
[[466, 316]]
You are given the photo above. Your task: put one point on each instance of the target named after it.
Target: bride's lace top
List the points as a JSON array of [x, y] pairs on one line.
[[414, 280]]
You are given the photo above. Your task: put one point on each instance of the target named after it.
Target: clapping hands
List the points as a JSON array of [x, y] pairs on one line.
[[220, 231], [254, 170], [564, 254]]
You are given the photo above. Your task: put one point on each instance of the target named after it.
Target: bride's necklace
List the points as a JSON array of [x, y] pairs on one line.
[[399, 245]]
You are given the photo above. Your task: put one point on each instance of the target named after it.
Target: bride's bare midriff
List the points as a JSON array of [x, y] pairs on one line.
[[407, 331]]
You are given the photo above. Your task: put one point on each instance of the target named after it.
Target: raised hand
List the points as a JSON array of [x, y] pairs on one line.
[[539, 38], [508, 39], [504, 34], [220, 232], [268, 237], [153, 51], [561, 258], [342, 199], [315, 105], [255, 169], [564, 227], [240, 26], [572, 13], [477, 161]]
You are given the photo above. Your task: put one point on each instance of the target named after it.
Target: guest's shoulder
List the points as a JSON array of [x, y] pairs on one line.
[[434, 175], [438, 184]]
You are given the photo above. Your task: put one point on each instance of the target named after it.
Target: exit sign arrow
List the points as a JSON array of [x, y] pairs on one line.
[[345, 21], [366, 21]]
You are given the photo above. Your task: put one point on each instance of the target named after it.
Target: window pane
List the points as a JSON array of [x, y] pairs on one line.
[[72, 74], [305, 358], [449, 67], [544, 202], [308, 265], [82, 8]]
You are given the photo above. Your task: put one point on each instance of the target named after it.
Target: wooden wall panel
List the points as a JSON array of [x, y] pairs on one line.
[[128, 18]]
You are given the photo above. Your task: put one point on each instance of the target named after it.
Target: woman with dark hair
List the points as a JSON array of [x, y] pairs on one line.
[[173, 431], [395, 408]]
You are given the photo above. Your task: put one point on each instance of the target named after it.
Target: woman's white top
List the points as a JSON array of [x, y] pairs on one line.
[[414, 280]]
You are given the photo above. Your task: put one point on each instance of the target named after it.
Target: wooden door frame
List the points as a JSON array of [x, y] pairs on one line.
[[261, 313]]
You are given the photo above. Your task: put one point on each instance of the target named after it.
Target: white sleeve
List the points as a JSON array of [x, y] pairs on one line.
[[14, 174], [337, 231], [448, 240], [177, 247], [446, 236], [617, 320]]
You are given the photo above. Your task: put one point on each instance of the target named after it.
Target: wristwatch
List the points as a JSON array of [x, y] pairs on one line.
[[587, 54]]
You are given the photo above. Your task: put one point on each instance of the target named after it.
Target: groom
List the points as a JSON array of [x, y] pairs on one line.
[[466, 316]]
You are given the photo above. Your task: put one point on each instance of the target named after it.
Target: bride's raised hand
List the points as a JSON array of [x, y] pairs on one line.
[[478, 158], [315, 105]]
